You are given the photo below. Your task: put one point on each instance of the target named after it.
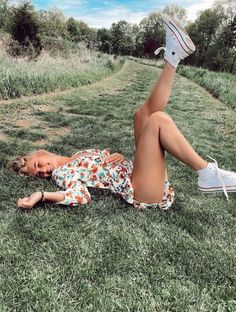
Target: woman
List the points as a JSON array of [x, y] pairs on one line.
[[145, 182]]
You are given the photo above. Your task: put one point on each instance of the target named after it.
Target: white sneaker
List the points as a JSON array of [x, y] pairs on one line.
[[178, 43], [213, 179]]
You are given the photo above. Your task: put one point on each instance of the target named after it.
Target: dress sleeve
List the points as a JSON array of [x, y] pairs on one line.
[[105, 152], [75, 195]]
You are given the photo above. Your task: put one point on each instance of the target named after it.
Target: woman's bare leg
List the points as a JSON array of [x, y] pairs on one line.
[[157, 100], [160, 134]]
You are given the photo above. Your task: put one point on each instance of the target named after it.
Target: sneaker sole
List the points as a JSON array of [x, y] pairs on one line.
[[180, 33], [230, 189]]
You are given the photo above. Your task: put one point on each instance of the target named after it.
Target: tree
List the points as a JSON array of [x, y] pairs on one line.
[[177, 12], [119, 37], [84, 30], [151, 34], [130, 39], [5, 15], [25, 27], [91, 40], [104, 39], [137, 38], [73, 29], [87, 34], [228, 6], [227, 37], [233, 42], [233, 32], [203, 31], [52, 23]]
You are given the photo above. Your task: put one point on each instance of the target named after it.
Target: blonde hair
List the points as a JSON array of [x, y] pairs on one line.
[[18, 164]]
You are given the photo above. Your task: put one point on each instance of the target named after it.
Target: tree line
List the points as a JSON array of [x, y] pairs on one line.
[[213, 32]]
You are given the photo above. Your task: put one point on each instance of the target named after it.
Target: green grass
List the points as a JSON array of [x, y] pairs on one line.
[[19, 77], [220, 85], [107, 256], [26, 134]]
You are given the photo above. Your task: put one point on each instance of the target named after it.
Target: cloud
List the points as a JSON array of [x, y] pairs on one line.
[[193, 9], [105, 18], [14, 2], [100, 16], [68, 4], [102, 13]]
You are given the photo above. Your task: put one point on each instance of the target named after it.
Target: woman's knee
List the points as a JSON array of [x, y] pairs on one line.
[[159, 118]]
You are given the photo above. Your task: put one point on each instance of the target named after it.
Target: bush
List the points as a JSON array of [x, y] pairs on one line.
[[59, 46], [110, 65], [15, 49]]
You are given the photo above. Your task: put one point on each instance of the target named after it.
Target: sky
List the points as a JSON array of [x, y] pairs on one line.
[[102, 13]]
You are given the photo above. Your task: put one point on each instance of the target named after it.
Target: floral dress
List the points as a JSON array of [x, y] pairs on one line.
[[92, 170]]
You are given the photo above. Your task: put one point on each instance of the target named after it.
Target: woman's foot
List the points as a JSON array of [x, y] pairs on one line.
[[178, 43], [213, 179]]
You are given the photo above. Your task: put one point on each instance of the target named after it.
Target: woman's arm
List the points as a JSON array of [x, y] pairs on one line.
[[115, 158], [78, 194], [110, 158], [93, 152], [32, 200]]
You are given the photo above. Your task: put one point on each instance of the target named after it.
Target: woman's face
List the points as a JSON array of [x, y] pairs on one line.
[[41, 164]]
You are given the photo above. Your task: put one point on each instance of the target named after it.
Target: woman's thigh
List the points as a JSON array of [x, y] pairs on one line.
[[149, 173]]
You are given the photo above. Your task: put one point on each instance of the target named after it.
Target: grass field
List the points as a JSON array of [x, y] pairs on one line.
[[107, 256]]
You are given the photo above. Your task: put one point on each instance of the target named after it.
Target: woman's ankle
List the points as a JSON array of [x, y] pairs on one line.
[[201, 166]]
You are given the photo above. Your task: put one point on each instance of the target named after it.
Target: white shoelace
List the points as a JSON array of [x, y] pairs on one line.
[[159, 50], [220, 177]]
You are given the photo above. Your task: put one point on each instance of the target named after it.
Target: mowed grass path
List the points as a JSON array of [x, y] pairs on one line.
[[107, 256]]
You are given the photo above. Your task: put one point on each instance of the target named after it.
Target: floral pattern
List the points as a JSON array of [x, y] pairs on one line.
[[91, 170]]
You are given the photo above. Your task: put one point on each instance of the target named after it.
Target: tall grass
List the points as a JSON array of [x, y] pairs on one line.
[[19, 77], [220, 85]]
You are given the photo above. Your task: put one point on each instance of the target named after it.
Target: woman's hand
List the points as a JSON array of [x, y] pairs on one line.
[[114, 158], [29, 202]]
